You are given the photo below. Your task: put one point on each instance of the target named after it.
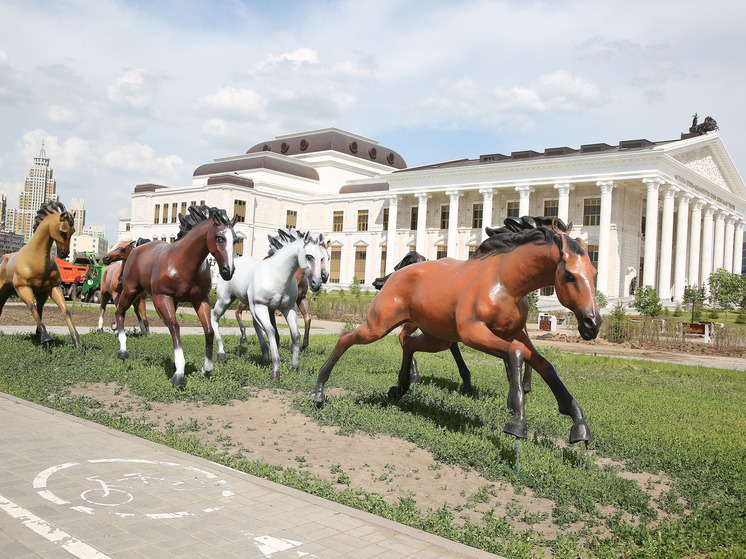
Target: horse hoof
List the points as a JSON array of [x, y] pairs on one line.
[[517, 428], [395, 392], [580, 432], [178, 381], [45, 338], [274, 375], [243, 340], [222, 357], [318, 397], [466, 390], [122, 354]]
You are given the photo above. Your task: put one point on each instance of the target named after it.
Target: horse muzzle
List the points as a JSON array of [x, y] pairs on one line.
[[106, 260], [314, 284], [62, 254], [226, 272], [588, 326]]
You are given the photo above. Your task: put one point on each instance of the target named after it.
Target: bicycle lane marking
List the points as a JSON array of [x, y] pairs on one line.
[[51, 533]]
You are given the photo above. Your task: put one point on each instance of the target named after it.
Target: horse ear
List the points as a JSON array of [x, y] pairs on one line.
[[321, 239], [307, 237], [234, 220]]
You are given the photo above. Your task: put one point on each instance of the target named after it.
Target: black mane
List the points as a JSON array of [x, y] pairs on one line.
[[198, 214], [520, 231], [49, 208], [283, 238]]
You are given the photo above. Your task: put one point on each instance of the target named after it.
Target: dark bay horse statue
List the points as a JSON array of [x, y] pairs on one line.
[[174, 272], [32, 272], [481, 303], [111, 283]]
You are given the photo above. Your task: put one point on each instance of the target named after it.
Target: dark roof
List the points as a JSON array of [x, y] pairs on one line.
[[258, 161], [231, 179], [331, 139], [148, 187], [367, 187]]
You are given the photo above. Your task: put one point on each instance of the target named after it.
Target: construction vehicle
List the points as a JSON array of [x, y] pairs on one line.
[[71, 276], [82, 279]]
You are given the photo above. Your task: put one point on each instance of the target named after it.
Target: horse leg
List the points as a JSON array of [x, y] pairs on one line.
[[263, 321], [291, 316], [406, 331], [303, 308], [27, 296], [105, 298], [476, 335], [221, 305], [410, 345], [463, 370], [125, 298], [241, 326], [166, 309], [260, 331], [142, 320], [567, 404], [368, 332], [203, 311], [59, 298]]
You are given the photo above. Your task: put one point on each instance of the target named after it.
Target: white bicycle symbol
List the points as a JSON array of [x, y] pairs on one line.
[[115, 493]]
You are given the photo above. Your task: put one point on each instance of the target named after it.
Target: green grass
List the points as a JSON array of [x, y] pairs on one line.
[[685, 422]]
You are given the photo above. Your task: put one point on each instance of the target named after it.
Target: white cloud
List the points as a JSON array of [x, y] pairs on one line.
[[134, 89], [59, 114], [231, 102], [140, 160]]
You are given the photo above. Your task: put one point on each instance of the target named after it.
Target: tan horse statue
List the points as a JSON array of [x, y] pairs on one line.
[[32, 272]]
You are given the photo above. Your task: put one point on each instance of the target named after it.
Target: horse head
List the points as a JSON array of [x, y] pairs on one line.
[[220, 241], [119, 251], [324, 244], [312, 259], [574, 284], [62, 228]]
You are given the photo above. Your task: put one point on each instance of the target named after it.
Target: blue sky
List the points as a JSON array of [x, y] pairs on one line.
[[129, 92]]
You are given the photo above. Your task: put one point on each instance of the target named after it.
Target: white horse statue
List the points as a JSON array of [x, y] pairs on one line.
[[269, 285]]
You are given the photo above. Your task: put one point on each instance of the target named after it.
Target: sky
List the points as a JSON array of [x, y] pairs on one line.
[[128, 92]]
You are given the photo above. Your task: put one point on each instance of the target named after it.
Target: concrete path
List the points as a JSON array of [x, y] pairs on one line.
[[73, 488]]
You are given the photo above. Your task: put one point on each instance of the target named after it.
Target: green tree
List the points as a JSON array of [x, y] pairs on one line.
[[601, 299], [725, 290], [647, 302], [694, 297], [533, 302]]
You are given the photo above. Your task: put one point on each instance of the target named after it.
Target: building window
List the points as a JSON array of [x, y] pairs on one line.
[[444, 211], [476, 216], [183, 208], [643, 224], [413, 219], [360, 256], [441, 252], [593, 255], [201, 202], [383, 262], [338, 221], [513, 209], [546, 291], [362, 220], [165, 213], [551, 208], [385, 219], [127, 227], [157, 213], [291, 219], [238, 247], [193, 203], [174, 211], [239, 210], [335, 261], [592, 211], [472, 250]]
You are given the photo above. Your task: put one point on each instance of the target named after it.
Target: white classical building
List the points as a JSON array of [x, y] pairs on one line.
[[664, 214]]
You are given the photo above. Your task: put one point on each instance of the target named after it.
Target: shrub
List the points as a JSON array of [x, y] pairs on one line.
[[647, 302], [616, 327]]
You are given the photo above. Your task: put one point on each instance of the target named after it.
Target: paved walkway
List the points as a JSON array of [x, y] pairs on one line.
[[73, 488]]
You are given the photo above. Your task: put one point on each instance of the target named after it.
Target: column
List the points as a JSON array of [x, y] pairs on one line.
[[419, 244], [728, 255], [694, 254], [525, 193], [679, 272], [487, 195], [604, 231], [664, 278], [391, 252], [563, 207], [452, 248], [651, 231], [719, 244], [738, 247], [706, 268]]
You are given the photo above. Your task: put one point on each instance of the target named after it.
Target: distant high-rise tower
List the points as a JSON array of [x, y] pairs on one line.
[[3, 208], [78, 206], [39, 187]]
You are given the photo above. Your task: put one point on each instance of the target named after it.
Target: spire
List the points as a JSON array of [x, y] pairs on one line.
[[42, 152]]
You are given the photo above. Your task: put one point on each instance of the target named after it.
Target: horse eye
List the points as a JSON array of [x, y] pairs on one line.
[[569, 276], [310, 257], [219, 239]]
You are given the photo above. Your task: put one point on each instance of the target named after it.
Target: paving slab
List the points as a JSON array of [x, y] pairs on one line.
[[73, 488]]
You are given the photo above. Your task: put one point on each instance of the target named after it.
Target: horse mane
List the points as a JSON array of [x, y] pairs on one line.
[[283, 238], [49, 208], [198, 214], [523, 230]]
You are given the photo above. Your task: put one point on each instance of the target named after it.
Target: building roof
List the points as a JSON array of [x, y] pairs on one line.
[[251, 161]]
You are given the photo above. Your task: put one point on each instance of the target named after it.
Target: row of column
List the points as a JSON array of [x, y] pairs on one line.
[[704, 252]]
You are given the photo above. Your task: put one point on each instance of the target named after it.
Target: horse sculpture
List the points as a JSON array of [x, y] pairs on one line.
[[269, 285], [111, 283], [481, 303], [32, 272], [175, 272]]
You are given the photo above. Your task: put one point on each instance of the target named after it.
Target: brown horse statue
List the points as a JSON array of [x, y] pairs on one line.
[[174, 272], [481, 303], [32, 272], [111, 284]]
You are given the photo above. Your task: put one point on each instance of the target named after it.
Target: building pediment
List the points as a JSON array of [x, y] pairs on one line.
[[703, 162]]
